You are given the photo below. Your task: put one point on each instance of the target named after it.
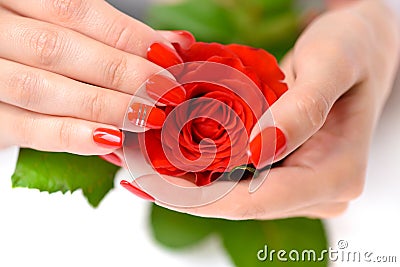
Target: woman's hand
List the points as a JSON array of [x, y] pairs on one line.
[[68, 70], [340, 74]]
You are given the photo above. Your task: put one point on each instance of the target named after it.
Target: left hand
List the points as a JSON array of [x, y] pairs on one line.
[[340, 74]]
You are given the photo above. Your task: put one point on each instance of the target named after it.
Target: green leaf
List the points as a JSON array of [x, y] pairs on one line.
[[271, 25], [53, 172], [243, 239], [208, 21], [178, 230]]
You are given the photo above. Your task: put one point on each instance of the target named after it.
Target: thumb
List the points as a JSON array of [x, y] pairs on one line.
[[316, 81]]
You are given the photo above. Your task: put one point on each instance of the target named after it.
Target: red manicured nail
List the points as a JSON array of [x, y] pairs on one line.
[[165, 90], [163, 55], [267, 145], [187, 37], [146, 116], [136, 191], [112, 158], [108, 137]]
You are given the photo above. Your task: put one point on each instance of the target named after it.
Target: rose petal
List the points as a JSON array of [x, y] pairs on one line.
[[203, 51], [262, 62], [211, 132]]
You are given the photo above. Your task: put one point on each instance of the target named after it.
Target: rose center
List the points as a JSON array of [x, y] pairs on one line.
[[206, 128]]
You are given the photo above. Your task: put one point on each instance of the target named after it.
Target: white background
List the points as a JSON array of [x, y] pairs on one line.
[[38, 229]]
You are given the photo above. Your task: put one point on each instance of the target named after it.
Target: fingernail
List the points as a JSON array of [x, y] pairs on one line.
[[146, 116], [136, 191], [266, 146], [108, 137], [187, 37], [112, 158], [165, 90], [163, 55]]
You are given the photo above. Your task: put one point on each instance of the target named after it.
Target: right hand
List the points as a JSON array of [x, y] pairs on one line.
[[67, 69], [340, 74]]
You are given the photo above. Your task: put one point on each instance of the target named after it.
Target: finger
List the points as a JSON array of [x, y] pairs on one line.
[[184, 38], [286, 65], [48, 93], [93, 18], [113, 158], [117, 157], [56, 134], [71, 54], [322, 74], [304, 183], [284, 190]]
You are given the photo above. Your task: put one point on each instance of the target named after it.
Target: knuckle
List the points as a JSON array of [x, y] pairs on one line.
[[65, 131], [314, 108], [118, 35], [23, 129], [115, 71], [67, 10], [94, 105], [27, 88], [46, 45]]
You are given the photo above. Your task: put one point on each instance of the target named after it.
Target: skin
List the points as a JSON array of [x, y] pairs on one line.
[[340, 74], [68, 68]]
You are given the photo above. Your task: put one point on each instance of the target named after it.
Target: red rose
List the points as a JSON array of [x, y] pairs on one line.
[[208, 126]]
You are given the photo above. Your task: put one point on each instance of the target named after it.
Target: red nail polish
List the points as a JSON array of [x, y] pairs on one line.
[[108, 137], [163, 55], [165, 90], [146, 116], [112, 158], [187, 37], [267, 145], [136, 191]]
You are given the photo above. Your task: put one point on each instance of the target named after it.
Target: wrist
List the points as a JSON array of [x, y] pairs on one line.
[[385, 11], [394, 6], [383, 23], [335, 4], [380, 32]]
